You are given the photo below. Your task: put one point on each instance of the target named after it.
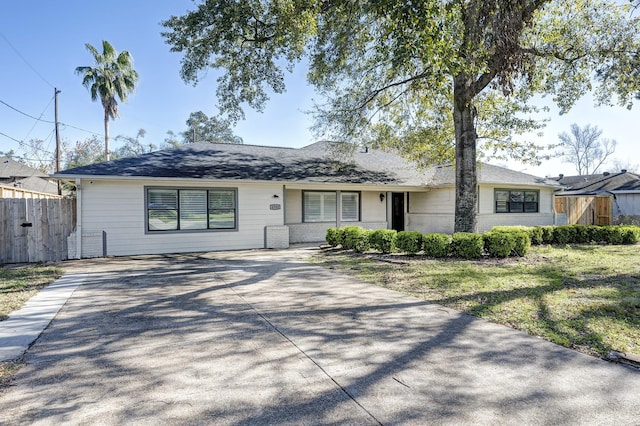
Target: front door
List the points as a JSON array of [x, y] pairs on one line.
[[397, 211]]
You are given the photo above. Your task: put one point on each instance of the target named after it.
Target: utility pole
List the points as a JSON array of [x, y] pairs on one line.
[[56, 91]]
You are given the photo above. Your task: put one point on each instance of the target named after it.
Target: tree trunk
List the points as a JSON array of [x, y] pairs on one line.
[[106, 135], [466, 179]]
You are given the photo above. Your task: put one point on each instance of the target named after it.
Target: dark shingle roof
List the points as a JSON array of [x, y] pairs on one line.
[[317, 163], [598, 184], [490, 174]]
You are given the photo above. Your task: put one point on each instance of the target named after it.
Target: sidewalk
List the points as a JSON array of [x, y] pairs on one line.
[[24, 326]]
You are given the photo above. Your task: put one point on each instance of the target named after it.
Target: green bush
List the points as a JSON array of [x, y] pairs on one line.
[[436, 245], [631, 234], [334, 237], [467, 245], [564, 234], [581, 234], [547, 234], [409, 241], [616, 235], [535, 232], [522, 243], [383, 240], [499, 243], [355, 238], [598, 234]]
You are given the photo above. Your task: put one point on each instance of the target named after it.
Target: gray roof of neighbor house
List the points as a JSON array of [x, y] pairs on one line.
[[10, 169], [320, 162], [600, 184], [490, 174]]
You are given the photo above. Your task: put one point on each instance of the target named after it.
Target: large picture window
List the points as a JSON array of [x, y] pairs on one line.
[[170, 209], [516, 201], [323, 206]]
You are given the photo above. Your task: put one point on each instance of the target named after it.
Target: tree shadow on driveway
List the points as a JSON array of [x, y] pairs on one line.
[[249, 339]]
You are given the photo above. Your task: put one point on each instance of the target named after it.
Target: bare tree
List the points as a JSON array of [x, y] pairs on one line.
[[619, 165], [585, 149]]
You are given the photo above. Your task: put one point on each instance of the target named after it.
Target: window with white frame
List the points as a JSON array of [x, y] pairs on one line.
[[516, 201], [322, 206], [190, 209], [349, 206]]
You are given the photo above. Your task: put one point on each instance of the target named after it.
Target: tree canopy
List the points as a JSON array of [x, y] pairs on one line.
[[434, 80], [201, 128]]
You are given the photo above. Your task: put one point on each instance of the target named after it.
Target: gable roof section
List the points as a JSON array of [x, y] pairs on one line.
[[490, 174], [11, 169], [316, 163], [600, 184]]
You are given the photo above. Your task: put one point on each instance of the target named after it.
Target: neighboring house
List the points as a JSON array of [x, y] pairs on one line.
[[204, 197], [18, 180], [602, 199]]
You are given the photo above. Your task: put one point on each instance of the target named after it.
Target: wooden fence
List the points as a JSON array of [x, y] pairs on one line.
[[585, 210], [35, 230], [14, 192]]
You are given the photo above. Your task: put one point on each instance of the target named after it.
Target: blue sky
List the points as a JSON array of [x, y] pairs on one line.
[[50, 36]]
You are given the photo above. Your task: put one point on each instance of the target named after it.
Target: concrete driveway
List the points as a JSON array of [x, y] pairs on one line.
[[262, 337]]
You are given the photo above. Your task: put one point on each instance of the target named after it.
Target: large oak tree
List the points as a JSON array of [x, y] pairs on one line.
[[431, 79]]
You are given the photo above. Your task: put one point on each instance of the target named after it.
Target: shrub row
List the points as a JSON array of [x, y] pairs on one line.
[[501, 241], [464, 245], [578, 234]]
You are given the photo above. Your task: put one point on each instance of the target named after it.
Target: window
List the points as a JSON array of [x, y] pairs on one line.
[[190, 209], [323, 207], [350, 206], [516, 201], [319, 206]]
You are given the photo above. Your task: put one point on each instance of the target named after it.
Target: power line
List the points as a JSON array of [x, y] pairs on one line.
[[7, 136], [41, 114], [49, 121], [78, 128], [25, 61], [25, 114]]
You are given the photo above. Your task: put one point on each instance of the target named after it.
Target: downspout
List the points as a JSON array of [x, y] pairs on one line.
[[78, 218], [284, 205]]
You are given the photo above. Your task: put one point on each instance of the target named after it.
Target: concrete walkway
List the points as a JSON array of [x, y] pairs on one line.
[[24, 326], [261, 337]]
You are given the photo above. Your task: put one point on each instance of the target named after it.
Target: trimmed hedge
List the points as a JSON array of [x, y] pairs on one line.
[[334, 236], [409, 241], [383, 240], [499, 243], [436, 245], [356, 239], [467, 245], [535, 232]]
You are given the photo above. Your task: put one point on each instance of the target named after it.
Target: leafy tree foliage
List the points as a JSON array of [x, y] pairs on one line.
[[201, 128], [432, 79], [585, 149], [111, 76]]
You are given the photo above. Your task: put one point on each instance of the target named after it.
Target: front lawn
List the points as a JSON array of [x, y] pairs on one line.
[[19, 284], [583, 297]]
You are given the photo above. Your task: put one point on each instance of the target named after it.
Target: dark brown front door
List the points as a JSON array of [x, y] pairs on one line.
[[397, 211]]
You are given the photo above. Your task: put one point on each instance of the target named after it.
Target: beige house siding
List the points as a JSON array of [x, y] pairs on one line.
[[373, 214], [117, 207], [434, 210]]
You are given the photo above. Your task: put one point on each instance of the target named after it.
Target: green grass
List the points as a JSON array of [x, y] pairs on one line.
[[583, 297], [17, 285]]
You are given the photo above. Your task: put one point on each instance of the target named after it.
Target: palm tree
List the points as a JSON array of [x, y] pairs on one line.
[[112, 75]]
